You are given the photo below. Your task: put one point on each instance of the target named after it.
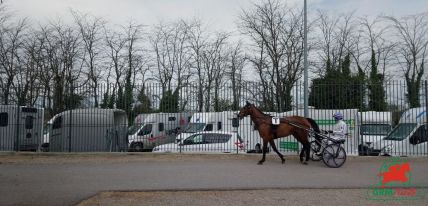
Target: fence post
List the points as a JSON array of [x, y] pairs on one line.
[[70, 118], [16, 146], [426, 109]]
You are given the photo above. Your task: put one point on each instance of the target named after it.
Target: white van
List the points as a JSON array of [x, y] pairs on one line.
[[155, 129], [89, 130], [374, 126], [408, 138], [20, 128]]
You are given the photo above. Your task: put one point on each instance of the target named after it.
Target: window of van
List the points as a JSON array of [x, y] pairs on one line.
[[219, 125], [235, 122], [401, 131], [209, 127], [29, 122], [171, 119], [4, 117], [161, 127], [147, 129], [216, 138], [57, 123], [419, 136]]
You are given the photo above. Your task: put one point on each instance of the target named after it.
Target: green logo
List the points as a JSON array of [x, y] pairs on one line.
[[395, 182]]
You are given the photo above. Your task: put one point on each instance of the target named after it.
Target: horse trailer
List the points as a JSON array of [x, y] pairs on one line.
[[156, 129], [21, 128], [89, 130]]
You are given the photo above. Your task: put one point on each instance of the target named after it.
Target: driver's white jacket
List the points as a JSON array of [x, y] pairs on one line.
[[339, 130]]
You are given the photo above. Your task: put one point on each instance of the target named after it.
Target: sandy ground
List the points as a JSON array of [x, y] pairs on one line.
[[351, 197]]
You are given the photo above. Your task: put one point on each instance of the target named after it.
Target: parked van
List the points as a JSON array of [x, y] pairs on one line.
[[374, 126], [156, 129], [89, 130], [20, 128], [409, 137]]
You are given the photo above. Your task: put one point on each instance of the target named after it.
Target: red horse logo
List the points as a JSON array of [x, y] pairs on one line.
[[395, 172]]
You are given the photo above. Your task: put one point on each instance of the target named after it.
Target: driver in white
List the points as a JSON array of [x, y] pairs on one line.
[[340, 129]]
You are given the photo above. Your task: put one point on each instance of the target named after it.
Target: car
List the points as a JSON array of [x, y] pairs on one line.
[[205, 142]]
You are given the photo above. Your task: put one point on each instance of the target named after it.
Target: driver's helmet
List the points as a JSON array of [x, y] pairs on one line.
[[338, 116]]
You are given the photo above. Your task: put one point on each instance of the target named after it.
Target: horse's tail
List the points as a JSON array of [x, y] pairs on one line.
[[316, 128]]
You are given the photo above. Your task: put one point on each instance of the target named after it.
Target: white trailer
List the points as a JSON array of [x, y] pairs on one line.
[[373, 127], [408, 138], [156, 129], [21, 128], [89, 130]]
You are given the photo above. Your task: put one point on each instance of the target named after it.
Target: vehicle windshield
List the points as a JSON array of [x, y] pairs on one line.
[[133, 129], [375, 129], [401, 131], [194, 127]]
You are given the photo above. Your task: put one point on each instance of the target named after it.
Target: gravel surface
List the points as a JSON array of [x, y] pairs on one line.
[[268, 197]]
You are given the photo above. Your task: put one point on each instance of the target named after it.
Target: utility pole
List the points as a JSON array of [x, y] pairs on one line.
[[305, 60]]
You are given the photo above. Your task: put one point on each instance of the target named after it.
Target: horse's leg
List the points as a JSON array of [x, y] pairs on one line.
[[265, 143], [302, 153], [272, 143], [308, 151]]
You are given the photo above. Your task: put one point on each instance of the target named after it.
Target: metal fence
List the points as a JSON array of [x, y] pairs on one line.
[[188, 118]]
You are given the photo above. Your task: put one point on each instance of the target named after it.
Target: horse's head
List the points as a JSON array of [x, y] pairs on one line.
[[245, 111]]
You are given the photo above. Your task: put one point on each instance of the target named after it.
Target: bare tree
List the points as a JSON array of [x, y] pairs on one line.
[[278, 32], [116, 47], [90, 31], [236, 64], [11, 45], [170, 46], [412, 51], [133, 36], [198, 42], [27, 84], [337, 40], [62, 47]]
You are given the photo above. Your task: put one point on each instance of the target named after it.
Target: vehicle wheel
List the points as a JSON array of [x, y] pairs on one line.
[[44, 147], [334, 156], [137, 147], [315, 148], [363, 150]]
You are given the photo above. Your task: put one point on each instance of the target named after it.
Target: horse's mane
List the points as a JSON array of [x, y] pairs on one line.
[[261, 111]]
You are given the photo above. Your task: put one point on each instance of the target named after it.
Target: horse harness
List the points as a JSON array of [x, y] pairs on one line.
[[294, 124]]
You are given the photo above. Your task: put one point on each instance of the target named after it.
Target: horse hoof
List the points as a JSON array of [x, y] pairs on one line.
[[305, 163], [283, 161], [259, 163]]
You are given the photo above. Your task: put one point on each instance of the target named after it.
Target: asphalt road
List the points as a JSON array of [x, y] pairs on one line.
[[68, 179]]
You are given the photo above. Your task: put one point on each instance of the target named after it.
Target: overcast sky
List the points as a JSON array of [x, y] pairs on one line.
[[219, 14]]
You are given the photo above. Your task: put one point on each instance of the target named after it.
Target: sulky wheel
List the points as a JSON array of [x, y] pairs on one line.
[[334, 156]]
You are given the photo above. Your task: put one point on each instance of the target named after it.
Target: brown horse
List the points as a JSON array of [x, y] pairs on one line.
[[293, 125]]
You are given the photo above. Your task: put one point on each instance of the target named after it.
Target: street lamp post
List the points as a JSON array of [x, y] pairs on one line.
[[305, 62]]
